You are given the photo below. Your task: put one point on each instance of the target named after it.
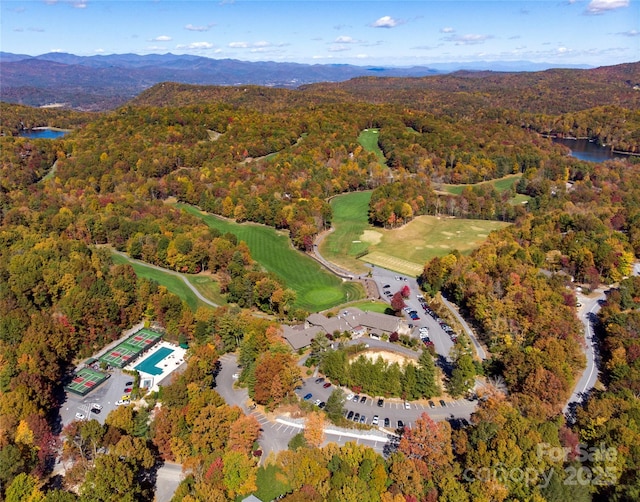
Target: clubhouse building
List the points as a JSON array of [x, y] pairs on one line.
[[353, 321]]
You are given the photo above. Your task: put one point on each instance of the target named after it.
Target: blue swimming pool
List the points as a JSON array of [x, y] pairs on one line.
[[150, 364]]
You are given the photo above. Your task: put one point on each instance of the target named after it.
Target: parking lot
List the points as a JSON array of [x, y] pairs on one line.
[[393, 409], [105, 396]]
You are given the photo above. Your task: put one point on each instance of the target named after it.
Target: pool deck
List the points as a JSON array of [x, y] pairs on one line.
[[168, 365]]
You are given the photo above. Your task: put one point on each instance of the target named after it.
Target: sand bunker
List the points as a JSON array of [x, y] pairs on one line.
[[371, 236]]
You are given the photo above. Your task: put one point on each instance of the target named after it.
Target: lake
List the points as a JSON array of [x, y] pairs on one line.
[[584, 149], [43, 133]]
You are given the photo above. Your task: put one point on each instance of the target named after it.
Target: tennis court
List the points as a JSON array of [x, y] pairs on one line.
[[127, 351], [86, 380], [144, 339], [149, 365]]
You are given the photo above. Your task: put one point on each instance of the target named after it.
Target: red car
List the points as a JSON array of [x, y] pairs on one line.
[[326, 385], [127, 390]]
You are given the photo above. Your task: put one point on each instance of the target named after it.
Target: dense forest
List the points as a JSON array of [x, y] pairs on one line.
[[275, 156]]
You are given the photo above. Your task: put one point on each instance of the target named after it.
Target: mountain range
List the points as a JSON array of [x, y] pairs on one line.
[[104, 82]]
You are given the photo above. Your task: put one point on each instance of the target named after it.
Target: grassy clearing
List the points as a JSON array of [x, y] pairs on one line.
[[316, 288], [170, 281], [369, 141], [371, 306], [408, 248], [404, 249], [500, 184], [349, 223], [207, 287]]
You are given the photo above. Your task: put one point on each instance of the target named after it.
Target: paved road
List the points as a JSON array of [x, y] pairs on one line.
[[587, 314], [172, 272], [453, 308], [169, 477]]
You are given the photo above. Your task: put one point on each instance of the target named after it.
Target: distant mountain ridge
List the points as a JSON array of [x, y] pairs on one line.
[[107, 81]]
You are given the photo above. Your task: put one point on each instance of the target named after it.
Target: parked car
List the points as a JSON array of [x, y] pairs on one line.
[[350, 396], [400, 424], [407, 405], [363, 419], [442, 403], [350, 415], [356, 417], [319, 380], [326, 385], [96, 406], [356, 398], [322, 405], [126, 397], [308, 396], [128, 390], [380, 403], [317, 402], [128, 384], [386, 286], [431, 404], [387, 422], [80, 416], [363, 399], [375, 420], [121, 402]]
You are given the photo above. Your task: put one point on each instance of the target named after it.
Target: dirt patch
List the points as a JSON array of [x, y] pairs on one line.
[[387, 356]]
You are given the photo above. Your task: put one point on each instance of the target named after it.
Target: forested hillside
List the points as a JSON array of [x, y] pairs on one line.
[[274, 157]]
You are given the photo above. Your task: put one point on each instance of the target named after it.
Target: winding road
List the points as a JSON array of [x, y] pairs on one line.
[[167, 271]]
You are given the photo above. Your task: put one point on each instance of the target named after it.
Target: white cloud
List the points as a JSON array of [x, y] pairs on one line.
[[447, 29], [339, 48], [80, 5], [196, 46], [385, 22], [162, 38], [469, 39], [630, 33], [362, 56], [191, 27], [239, 45], [602, 6], [344, 39], [262, 43]]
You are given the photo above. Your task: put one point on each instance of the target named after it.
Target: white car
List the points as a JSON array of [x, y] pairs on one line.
[[407, 406], [317, 402], [121, 402], [350, 396], [96, 406], [80, 416], [375, 420]]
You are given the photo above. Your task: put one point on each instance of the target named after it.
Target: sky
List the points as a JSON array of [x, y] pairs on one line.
[[399, 33]]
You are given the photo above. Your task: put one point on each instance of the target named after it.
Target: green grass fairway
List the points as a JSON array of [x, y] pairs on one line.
[[500, 184], [172, 282], [269, 486], [349, 222], [316, 288], [369, 141], [408, 248]]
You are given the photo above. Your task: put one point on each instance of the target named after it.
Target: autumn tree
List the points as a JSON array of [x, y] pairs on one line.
[[429, 444], [314, 429]]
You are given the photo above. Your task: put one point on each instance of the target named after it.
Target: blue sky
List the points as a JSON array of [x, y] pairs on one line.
[[588, 32]]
